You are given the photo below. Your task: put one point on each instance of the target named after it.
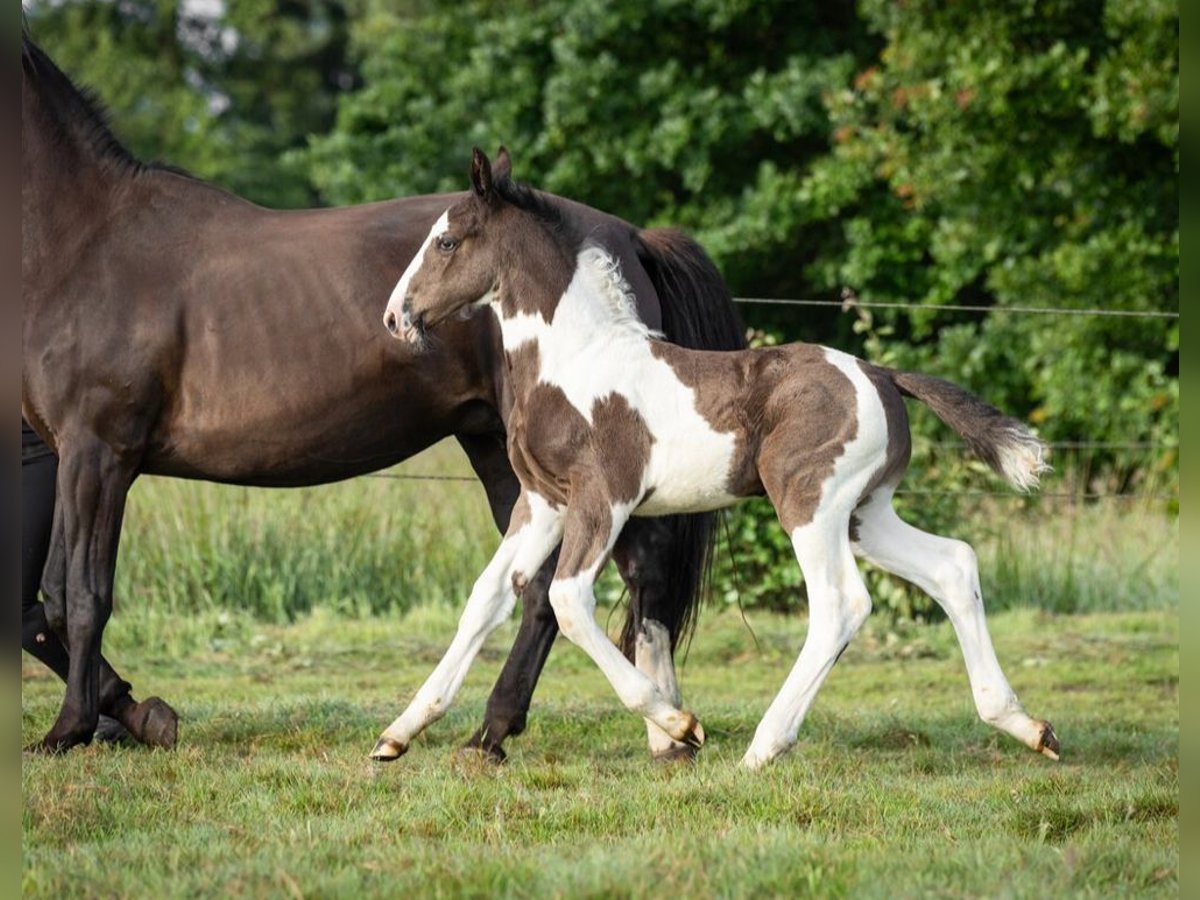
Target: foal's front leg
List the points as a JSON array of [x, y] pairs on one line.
[[591, 529], [533, 532]]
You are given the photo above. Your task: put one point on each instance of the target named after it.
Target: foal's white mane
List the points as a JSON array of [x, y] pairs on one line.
[[612, 292]]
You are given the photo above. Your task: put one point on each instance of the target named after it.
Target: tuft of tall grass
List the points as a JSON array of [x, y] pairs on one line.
[[198, 561], [203, 565]]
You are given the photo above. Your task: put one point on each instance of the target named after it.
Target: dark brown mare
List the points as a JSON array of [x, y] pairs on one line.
[[609, 422], [175, 329]]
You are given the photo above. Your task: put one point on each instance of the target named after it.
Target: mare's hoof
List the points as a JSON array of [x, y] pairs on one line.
[[387, 750], [1048, 742], [677, 753], [110, 731], [153, 722]]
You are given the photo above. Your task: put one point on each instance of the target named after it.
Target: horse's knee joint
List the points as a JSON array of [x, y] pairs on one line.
[[567, 610]]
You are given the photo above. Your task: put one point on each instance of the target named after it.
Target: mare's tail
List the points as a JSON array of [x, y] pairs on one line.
[[697, 312], [1004, 443]]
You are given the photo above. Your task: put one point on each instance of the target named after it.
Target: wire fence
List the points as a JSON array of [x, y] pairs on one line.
[[849, 303]]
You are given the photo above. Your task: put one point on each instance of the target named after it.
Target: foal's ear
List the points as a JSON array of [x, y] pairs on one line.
[[502, 170], [481, 174]]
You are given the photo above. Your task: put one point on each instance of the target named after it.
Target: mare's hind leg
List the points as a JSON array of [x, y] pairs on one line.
[[590, 531], [533, 532], [838, 604], [947, 570], [658, 606]]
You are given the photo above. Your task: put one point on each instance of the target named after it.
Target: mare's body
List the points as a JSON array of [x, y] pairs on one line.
[[173, 328], [609, 422]]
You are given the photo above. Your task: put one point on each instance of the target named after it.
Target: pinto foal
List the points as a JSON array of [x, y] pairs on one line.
[[607, 421]]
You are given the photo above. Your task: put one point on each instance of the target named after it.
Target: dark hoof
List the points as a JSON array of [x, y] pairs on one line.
[[1048, 743], [387, 750], [110, 731], [682, 753], [153, 722]]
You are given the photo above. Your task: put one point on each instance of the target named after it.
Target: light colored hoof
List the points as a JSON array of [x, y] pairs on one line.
[[387, 749], [692, 733], [1048, 742], [753, 761]]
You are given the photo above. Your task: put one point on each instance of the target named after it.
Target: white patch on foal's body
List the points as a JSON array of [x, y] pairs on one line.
[[591, 350]]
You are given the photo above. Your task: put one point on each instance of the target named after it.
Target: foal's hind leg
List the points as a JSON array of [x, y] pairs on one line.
[[838, 604], [533, 532], [947, 570]]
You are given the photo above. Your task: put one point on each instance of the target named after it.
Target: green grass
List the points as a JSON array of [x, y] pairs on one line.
[[289, 627], [895, 788]]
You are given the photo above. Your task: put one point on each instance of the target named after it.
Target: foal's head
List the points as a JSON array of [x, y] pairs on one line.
[[461, 261]]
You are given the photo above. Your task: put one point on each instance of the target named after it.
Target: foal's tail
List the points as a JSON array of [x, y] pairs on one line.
[[697, 312], [1004, 443]]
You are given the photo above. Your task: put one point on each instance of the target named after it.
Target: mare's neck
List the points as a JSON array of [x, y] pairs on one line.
[[67, 186]]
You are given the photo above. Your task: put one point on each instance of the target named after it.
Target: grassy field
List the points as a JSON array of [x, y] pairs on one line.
[[895, 789], [289, 627]]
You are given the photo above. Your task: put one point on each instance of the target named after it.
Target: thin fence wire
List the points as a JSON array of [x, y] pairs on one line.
[[1048, 495], [848, 305]]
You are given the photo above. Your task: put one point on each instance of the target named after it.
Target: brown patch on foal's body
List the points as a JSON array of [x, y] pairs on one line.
[[787, 408]]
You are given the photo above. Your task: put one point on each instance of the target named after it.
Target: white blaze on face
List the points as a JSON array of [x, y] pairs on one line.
[[395, 303]]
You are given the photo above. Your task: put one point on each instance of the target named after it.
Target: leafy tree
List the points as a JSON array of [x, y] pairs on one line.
[[221, 89], [1021, 154]]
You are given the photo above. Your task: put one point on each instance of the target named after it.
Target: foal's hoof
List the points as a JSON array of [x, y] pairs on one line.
[[693, 735], [153, 722], [1048, 742], [387, 749], [677, 753]]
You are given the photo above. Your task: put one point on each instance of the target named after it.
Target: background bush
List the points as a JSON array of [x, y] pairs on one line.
[[1003, 155]]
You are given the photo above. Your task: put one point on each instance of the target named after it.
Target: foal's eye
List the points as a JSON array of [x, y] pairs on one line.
[[446, 243]]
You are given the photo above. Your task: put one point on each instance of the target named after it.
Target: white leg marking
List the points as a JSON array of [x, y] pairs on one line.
[[574, 603], [652, 656], [838, 604], [947, 570], [490, 604]]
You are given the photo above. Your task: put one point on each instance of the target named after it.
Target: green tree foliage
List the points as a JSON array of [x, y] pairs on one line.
[[1021, 154], [223, 89], [996, 154]]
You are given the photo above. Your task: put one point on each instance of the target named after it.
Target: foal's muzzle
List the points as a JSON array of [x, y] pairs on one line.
[[406, 326]]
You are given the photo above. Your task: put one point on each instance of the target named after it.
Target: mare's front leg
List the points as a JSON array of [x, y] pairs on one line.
[[592, 525], [92, 485], [533, 532], [508, 704]]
